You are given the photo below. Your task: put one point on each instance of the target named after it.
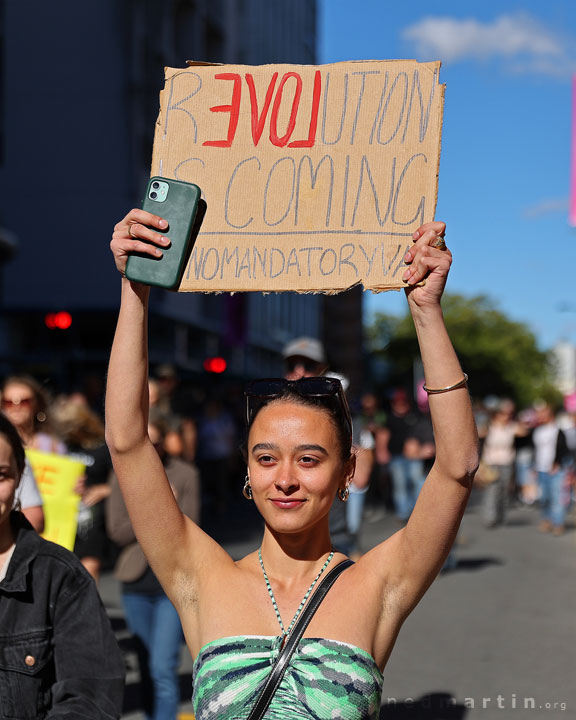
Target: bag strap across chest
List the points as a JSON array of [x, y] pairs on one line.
[[285, 654]]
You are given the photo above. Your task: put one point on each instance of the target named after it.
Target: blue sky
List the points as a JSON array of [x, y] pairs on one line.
[[505, 164]]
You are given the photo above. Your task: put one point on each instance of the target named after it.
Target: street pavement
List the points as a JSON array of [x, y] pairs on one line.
[[493, 639]]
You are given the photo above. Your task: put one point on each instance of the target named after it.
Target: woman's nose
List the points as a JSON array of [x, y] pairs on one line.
[[285, 480]]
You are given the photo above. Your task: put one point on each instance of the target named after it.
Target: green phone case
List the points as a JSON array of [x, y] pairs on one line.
[[179, 208]]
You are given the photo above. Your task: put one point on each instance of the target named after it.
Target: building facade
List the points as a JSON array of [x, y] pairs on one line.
[[79, 86]]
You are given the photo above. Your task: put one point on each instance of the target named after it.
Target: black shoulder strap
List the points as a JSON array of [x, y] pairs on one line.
[[284, 656]]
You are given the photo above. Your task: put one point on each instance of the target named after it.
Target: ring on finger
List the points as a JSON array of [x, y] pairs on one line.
[[439, 243], [130, 231]]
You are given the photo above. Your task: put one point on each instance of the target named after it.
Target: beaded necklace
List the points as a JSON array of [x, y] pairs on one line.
[[285, 632]]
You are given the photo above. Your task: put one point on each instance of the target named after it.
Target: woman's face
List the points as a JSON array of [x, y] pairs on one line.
[[295, 465], [9, 479], [19, 404]]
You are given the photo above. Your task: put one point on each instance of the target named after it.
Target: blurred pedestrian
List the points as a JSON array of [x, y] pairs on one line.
[[177, 411], [59, 656], [160, 405], [83, 432], [498, 455], [150, 615], [25, 404], [304, 357], [525, 479], [404, 424], [363, 444], [217, 448], [374, 419], [552, 460]]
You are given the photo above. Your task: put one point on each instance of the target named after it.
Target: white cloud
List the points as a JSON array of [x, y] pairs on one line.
[[521, 41], [547, 206]]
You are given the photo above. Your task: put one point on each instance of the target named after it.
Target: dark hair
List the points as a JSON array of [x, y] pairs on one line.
[[8, 431], [330, 404]]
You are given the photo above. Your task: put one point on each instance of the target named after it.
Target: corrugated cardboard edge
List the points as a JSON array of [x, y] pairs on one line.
[[200, 63], [442, 87]]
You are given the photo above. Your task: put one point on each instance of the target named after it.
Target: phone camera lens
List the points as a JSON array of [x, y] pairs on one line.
[[153, 195], [155, 185]]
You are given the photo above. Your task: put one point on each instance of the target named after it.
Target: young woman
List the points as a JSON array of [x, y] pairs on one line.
[[58, 654], [25, 404], [235, 615]]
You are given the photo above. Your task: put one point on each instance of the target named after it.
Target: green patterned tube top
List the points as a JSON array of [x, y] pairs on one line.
[[325, 679]]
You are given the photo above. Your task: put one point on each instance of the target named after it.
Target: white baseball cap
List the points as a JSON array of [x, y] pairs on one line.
[[306, 347]]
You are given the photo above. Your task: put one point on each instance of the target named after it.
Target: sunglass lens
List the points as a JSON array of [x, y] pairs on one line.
[[319, 386]]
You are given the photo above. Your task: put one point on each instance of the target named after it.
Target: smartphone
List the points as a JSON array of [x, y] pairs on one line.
[[177, 202]]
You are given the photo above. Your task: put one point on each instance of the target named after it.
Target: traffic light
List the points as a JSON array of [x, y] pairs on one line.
[[58, 321], [215, 365]]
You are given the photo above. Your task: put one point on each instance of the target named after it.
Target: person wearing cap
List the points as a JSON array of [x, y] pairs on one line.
[[304, 357]]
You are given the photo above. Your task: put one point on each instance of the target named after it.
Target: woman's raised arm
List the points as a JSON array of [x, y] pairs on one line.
[[417, 552], [170, 540]]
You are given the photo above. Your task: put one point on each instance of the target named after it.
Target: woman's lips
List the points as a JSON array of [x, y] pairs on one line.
[[287, 503]]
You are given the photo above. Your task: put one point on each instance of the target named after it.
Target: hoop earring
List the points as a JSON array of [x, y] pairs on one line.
[[247, 489], [343, 493]]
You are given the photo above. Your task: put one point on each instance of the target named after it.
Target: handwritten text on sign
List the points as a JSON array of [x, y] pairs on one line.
[[315, 177]]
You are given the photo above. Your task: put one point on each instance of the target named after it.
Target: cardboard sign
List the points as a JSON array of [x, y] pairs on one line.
[[56, 477], [315, 177]]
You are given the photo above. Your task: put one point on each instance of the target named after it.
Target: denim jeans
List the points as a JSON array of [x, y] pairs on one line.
[[354, 512], [355, 509], [407, 480], [551, 499], [154, 621]]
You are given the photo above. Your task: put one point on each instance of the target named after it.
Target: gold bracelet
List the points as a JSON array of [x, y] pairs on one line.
[[435, 391]]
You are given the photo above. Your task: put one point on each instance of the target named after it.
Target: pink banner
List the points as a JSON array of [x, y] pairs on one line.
[[573, 168]]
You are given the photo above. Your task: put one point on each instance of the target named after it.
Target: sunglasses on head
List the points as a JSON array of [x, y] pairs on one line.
[[313, 387]]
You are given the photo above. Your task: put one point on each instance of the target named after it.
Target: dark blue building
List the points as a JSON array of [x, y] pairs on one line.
[[79, 84]]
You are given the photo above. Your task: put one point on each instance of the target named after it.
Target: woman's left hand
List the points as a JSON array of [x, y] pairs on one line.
[[428, 260]]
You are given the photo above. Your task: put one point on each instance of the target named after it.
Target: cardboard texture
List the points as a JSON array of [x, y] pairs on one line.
[[315, 177]]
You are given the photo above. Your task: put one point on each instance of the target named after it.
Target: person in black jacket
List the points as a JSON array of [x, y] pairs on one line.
[[58, 655], [552, 459]]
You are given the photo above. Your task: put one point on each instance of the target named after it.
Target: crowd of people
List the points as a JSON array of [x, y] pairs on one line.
[[526, 457]]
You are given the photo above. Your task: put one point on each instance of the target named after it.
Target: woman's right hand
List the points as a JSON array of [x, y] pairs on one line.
[[135, 233]]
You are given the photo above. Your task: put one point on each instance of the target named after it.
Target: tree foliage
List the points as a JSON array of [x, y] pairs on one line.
[[500, 356]]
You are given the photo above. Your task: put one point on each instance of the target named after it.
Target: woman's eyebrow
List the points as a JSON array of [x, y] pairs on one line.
[[264, 446], [318, 448], [306, 447]]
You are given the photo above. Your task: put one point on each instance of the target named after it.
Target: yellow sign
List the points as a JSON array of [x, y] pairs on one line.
[[56, 477]]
